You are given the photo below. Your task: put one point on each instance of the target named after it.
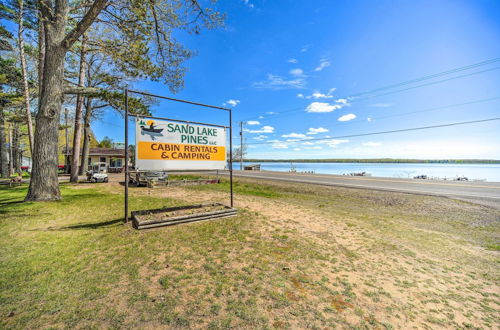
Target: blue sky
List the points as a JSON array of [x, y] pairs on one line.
[[292, 67]]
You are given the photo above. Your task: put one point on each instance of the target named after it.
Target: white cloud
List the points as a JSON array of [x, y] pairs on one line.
[[372, 144], [332, 143], [231, 102], [307, 143], [323, 63], [260, 137], [293, 60], [322, 107], [304, 48], [271, 113], [297, 72], [319, 95], [342, 101], [381, 105], [248, 3], [262, 130], [315, 148], [347, 117], [279, 146], [294, 135], [313, 131], [253, 122], [276, 82], [261, 117], [369, 119], [297, 149]]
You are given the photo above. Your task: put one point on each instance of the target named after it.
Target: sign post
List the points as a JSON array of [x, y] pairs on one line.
[[164, 144]]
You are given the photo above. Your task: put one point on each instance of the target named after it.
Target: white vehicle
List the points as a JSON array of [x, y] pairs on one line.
[[97, 172]]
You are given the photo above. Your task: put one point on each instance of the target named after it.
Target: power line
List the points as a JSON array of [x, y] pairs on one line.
[[431, 76], [421, 111], [437, 108], [430, 83], [298, 110], [384, 132]]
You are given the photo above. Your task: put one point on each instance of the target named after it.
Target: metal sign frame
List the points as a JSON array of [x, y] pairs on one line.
[[127, 91]]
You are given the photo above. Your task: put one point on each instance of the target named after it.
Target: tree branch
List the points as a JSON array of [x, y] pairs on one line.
[[89, 91], [46, 10], [85, 23]]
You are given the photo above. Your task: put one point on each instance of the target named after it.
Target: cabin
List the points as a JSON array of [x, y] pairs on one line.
[[114, 158]]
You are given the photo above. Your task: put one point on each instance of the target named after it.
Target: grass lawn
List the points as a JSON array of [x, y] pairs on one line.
[[296, 256]]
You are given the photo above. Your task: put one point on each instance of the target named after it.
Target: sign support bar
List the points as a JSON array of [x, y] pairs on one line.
[[231, 155], [126, 218], [126, 156]]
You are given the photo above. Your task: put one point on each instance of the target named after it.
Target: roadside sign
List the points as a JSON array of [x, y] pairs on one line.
[[169, 145]]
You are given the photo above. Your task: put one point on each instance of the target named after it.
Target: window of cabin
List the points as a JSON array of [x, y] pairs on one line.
[[115, 162]]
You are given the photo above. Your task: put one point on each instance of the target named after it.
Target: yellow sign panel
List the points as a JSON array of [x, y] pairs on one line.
[[165, 145], [177, 151]]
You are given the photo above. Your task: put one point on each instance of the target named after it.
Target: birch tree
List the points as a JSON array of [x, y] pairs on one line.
[[24, 71]]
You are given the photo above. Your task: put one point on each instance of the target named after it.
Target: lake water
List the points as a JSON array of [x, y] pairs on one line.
[[488, 172]]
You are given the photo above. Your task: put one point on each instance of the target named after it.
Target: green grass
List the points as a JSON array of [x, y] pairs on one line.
[[493, 247], [73, 263]]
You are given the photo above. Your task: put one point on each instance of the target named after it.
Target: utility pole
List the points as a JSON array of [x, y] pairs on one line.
[[241, 145], [66, 160]]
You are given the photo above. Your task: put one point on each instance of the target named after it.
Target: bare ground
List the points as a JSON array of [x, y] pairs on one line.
[[402, 270]]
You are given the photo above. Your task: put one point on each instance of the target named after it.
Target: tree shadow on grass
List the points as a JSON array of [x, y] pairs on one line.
[[94, 225], [10, 201]]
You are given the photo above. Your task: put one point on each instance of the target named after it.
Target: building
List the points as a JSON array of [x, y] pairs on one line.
[[113, 158]]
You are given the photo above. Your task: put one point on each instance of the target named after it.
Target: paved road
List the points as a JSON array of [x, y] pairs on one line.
[[486, 193]]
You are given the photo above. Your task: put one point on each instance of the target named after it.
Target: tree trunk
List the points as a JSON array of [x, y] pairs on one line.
[[25, 76], [4, 151], [77, 136], [86, 135], [16, 148], [41, 54], [44, 183], [11, 163]]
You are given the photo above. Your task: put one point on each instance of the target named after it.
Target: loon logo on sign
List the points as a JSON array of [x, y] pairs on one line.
[[167, 145]]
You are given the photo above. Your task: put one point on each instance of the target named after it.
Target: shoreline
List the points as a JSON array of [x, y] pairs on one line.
[[368, 176], [378, 161]]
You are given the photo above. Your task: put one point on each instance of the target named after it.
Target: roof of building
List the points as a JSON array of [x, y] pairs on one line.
[[103, 152]]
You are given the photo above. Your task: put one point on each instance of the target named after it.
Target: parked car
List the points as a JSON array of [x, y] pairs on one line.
[[97, 172], [141, 178]]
